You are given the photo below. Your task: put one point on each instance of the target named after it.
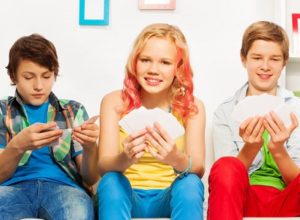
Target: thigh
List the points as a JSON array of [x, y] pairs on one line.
[[14, 203], [64, 202]]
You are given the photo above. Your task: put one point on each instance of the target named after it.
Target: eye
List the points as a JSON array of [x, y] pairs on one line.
[[144, 60], [165, 62], [28, 77], [276, 59], [256, 58]]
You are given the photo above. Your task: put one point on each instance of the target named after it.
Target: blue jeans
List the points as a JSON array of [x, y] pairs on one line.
[[183, 200], [43, 199]]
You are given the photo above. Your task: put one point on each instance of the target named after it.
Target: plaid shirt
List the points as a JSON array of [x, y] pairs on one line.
[[66, 113]]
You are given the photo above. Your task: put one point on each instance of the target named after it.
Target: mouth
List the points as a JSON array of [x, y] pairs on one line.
[[264, 76], [37, 96], [152, 81]]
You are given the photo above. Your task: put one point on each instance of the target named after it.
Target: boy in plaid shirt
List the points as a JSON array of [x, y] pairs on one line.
[[48, 149]]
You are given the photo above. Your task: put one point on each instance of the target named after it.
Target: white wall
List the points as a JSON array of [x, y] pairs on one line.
[[92, 58]]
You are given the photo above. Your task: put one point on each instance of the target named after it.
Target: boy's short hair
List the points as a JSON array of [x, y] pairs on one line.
[[267, 31], [35, 48]]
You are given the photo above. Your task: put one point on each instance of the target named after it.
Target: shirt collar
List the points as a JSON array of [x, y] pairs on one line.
[[53, 100], [281, 92]]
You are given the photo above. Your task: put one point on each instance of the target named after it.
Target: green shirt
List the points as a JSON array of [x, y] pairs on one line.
[[268, 174]]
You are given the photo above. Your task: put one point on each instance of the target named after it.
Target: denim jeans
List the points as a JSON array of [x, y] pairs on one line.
[[183, 200], [43, 199]]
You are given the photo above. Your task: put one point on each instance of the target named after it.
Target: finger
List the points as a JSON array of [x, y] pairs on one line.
[[49, 134], [135, 142], [137, 149], [134, 135], [78, 140], [155, 154], [258, 127], [272, 123], [294, 121], [153, 143], [156, 136], [163, 133], [39, 127], [245, 123], [44, 142], [251, 126], [139, 155], [269, 128], [85, 138], [91, 127], [277, 121], [89, 133], [92, 120]]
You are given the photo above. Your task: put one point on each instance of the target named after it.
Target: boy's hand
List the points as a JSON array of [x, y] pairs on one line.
[[87, 134], [278, 131], [35, 136], [251, 131]]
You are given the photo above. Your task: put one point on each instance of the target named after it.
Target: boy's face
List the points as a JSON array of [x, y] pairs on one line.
[[34, 82], [264, 63]]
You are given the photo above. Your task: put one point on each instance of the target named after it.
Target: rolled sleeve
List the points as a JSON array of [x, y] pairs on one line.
[[3, 131], [223, 138], [80, 117]]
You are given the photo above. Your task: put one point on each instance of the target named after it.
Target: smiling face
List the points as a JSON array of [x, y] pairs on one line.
[[264, 63], [156, 66], [34, 82]]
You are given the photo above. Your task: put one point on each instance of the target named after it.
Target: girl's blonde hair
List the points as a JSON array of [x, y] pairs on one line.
[[182, 99]]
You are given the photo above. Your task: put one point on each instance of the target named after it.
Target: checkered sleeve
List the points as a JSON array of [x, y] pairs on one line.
[[80, 117], [3, 130]]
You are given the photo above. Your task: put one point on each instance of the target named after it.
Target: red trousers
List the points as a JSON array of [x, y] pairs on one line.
[[232, 198]]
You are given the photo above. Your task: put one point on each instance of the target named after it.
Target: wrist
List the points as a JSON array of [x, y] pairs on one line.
[[186, 171], [12, 145]]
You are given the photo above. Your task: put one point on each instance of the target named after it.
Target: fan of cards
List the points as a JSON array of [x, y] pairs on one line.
[[259, 105], [140, 118]]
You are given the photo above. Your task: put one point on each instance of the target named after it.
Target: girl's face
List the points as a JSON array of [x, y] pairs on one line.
[[156, 66], [264, 63]]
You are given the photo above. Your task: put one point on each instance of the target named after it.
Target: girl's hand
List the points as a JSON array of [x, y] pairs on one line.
[[278, 131], [86, 134], [134, 145], [251, 131], [161, 146]]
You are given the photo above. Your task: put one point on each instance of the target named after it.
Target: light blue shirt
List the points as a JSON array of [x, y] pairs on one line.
[[226, 139]]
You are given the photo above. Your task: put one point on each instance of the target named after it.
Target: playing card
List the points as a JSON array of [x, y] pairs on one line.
[[138, 119], [259, 105]]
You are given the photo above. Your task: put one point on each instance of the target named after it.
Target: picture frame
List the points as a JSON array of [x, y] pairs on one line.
[[157, 4], [94, 12], [296, 33]]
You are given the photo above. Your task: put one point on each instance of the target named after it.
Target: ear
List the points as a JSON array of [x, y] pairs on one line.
[[13, 80], [243, 60]]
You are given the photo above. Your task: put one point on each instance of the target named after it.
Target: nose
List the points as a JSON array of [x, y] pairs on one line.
[[265, 65], [38, 85], [153, 68]]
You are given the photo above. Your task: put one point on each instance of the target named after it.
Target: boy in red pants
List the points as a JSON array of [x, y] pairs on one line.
[[258, 174]]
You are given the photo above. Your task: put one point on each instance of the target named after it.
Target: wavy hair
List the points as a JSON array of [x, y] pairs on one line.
[[182, 99]]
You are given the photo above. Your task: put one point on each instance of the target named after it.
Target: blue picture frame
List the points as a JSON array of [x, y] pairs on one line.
[[101, 22]]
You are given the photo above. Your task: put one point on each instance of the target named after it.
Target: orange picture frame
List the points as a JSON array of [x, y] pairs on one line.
[[157, 4]]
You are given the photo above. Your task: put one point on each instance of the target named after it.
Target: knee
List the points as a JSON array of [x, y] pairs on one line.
[[113, 186], [188, 189], [227, 171]]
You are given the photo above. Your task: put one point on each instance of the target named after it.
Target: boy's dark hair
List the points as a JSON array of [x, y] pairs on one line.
[[35, 48]]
